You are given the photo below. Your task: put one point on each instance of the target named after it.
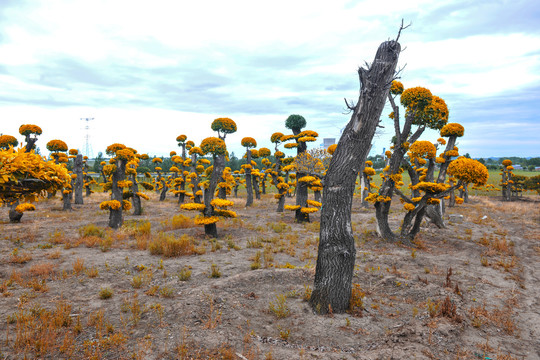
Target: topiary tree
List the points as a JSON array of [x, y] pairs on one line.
[[117, 170], [7, 141], [337, 253], [296, 123], [277, 171], [212, 208], [58, 149], [423, 110], [506, 179], [181, 139], [78, 181], [134, 194], [248, 143], [26, 176], [30, 133], [267, 166]]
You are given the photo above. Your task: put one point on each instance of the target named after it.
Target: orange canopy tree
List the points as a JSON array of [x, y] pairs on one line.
[[7, 141], [423, 110], [248, 143], [58, 149], [181, 139], [25, 176], [212, 208], [296, 123], [277, 172], [30, 133], [223, 126], [117, 170]]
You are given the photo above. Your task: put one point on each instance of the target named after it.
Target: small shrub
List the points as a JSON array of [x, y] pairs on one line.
[[42, 270], [169, 246], [105, 293], [178, 222], [78, 266], [356, 304], [92, 272], [137, 282], [57, 237], [184, 274], [166, 291], [256, 264], [91, 230], [214, 271], [279, 307]]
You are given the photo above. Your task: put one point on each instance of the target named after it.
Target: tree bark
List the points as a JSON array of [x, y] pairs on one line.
[[135, 199], [14, 215], [255, 181], [79, 181], [116, 216], [336, 254], [219, 165], [249, 187]]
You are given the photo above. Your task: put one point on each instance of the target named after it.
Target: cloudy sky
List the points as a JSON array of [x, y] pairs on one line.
[[147, 71]]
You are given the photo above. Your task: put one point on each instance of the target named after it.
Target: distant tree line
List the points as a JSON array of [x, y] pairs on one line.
[[526, 163]]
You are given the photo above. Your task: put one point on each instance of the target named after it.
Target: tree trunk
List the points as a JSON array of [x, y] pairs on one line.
[[318, 196], [79, 181], [164, 190], [104, 179], [249, 187], [336, 254], [136, 199], [255, 181], [219, 165], [116, 216], [66, 202], [14, 215], [301, 199]]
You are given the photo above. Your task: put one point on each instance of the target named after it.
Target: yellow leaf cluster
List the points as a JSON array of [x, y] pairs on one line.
[[206, 220], [192, 206], [452, 129], [469, 171], [26, 175]]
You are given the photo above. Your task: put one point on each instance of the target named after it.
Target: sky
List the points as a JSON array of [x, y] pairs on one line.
[[148, 71]]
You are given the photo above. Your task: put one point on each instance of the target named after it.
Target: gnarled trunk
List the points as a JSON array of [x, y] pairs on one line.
[[336, 254], [219, 165], [249, 187], [116, 216], [135, 199], [79, 181]]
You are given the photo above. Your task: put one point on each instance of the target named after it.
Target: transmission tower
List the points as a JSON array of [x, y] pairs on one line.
[[88, 147]]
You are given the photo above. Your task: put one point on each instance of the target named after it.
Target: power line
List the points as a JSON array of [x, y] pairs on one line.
[[88, 147]]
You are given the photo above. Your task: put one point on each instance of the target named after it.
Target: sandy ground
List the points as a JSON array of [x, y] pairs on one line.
[[469, 291]]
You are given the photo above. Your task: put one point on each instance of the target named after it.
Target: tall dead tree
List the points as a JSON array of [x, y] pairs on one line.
[[336, 254]]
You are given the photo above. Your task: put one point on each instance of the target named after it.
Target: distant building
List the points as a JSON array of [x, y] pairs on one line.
[[328, 141], [518, 167]]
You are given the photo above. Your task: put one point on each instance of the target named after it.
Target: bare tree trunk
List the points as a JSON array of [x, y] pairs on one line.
[[66, 201], [79, 181], [14, 215], [336, 254]]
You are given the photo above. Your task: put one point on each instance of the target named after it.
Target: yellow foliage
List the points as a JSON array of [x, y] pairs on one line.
[[18, 167]]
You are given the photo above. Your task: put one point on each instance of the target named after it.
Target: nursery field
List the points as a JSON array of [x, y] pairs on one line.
[[158, 289]]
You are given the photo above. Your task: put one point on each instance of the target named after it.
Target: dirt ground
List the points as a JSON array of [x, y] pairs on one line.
[[469, 291]]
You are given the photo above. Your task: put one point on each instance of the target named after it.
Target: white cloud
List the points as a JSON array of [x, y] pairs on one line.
[[147, 71]]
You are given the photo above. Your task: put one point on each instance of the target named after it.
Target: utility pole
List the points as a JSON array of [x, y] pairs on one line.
[[88, 147]]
